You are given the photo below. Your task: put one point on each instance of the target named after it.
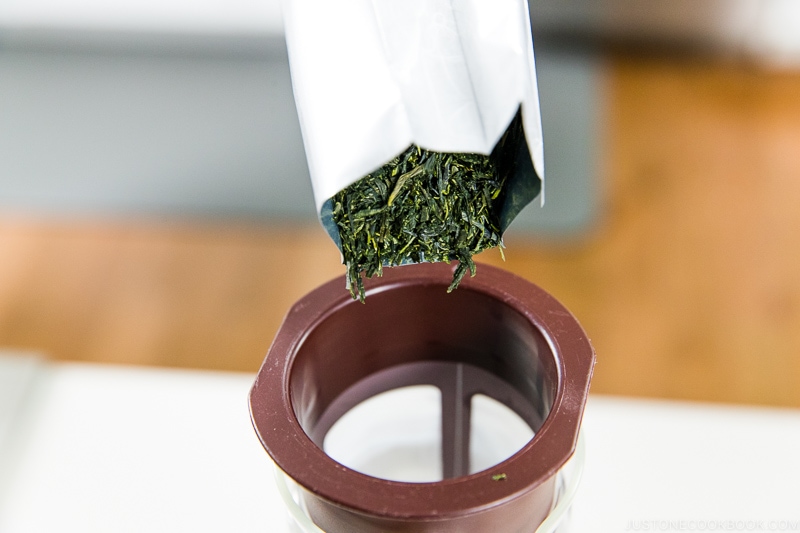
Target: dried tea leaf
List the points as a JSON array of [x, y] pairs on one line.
[[422, 206]]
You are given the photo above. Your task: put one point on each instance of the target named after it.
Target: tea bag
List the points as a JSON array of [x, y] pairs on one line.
[[374, 79]]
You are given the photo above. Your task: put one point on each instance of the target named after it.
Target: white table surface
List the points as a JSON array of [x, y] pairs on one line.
[[90, 448]]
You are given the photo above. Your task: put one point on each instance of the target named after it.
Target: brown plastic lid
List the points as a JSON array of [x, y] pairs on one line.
[[497, 334]]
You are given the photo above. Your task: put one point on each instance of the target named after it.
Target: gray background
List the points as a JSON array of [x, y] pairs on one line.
[[137, 124]]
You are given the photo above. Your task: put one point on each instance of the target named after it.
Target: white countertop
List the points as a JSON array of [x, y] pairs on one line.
[[91, 448]]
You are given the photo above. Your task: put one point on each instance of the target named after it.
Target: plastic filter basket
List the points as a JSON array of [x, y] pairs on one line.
[[426, 411], [557, 520]]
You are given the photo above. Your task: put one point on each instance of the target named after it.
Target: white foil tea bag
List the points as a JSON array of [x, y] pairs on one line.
[[373, 77]]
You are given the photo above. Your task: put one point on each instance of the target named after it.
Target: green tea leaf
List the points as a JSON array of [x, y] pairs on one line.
[[422, 206]]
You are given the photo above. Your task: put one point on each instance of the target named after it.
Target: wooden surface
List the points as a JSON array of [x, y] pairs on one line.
[[688, 285]]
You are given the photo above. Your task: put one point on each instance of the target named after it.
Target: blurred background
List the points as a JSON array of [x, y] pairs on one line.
[[156, 209]]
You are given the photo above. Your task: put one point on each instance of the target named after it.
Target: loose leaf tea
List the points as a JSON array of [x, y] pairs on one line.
[[422, 206]]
